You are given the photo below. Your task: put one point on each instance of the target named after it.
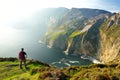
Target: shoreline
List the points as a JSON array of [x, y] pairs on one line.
[[95, 61]]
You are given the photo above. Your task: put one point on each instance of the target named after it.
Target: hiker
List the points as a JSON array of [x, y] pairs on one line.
[[22, 58]]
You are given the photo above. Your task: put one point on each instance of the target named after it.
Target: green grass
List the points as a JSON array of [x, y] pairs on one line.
[[75, 33], [56, 34], [97, 72], [112, 32], [9, 70]]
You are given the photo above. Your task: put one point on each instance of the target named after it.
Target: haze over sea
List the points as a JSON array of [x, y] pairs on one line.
[[38, 51], [19, 27]]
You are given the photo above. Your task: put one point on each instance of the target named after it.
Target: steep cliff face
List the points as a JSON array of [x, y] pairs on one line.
[[110, 39], [78, 31], [87, 31]]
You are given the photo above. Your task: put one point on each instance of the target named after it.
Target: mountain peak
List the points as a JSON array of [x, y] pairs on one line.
[[86, 12], [84, 30]]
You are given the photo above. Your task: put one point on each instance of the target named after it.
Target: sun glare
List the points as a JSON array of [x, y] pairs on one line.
[[7, 34]]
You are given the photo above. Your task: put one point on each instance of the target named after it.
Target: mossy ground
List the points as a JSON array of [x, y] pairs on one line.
[[9, 70]]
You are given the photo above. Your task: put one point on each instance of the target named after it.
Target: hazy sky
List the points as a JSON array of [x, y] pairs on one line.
[[12, 11], [23, 8]]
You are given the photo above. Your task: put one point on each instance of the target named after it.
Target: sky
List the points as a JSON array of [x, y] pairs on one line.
[[12, 10]]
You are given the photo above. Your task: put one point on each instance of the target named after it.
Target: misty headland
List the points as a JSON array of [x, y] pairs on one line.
[[64, 39]]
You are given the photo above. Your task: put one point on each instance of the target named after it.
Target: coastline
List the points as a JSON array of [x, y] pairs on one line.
[[95, 61]]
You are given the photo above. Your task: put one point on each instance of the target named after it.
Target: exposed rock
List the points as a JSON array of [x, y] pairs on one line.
[[110, 42], [90, 32]]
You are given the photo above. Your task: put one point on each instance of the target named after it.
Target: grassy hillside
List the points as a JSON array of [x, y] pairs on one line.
[[9, 70]]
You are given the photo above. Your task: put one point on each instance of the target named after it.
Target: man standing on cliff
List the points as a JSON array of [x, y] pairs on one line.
[[22, 58]]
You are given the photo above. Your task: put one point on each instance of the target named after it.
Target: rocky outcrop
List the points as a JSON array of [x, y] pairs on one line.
[[110, 39], [90, 32]]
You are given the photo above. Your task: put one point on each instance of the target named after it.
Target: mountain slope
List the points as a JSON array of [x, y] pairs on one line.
[[77, 31], [110, 39], [87, 32]]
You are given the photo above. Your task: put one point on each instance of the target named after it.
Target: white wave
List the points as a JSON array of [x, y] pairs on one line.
[[40, 42], [49, 46], [67, 64], [91, 59], [73, 61], [66, 52], [53, 63], [84, 57], [56, 62], [94, 60]]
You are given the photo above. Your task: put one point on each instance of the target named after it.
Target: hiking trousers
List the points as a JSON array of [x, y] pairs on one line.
[[24, 61]]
